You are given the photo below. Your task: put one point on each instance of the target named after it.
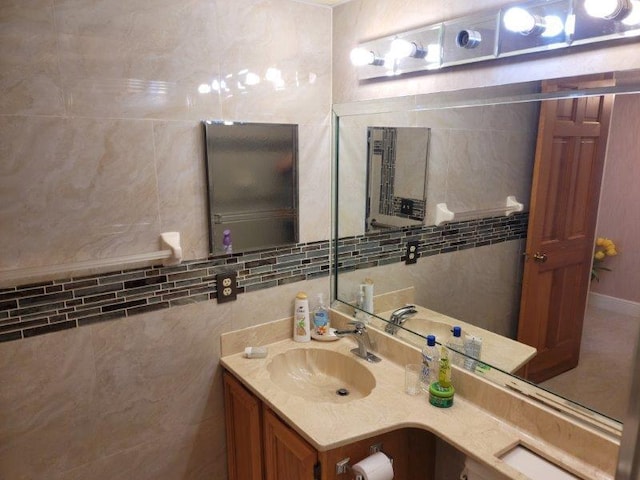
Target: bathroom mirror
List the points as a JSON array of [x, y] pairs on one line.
[[482, 151], [396, 176], [252, 185]]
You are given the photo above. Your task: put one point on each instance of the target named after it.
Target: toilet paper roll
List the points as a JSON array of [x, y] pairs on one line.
[[375, 467]]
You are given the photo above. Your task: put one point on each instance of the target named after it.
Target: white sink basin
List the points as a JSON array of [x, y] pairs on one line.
[[321, 375]]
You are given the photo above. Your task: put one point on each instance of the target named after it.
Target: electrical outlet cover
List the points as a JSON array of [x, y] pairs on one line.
[[412, 254], [226, 286]]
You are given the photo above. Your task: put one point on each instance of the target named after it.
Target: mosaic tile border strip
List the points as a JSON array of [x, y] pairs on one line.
[[41, 308], [390, 247], [36, 309]]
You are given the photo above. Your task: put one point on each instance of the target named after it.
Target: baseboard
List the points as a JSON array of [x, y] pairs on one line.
[[613, 304]]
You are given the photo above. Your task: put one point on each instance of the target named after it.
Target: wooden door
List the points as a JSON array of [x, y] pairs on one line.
[[243, 422], [287, 455], [570, 153]]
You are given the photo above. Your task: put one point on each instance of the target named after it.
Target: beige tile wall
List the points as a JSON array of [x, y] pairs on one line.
[[100, 107], [101, 150]]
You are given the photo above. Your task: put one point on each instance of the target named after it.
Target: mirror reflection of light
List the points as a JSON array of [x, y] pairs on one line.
[[252, 79], [361, 56], [553, 26], [570, 25], [602, 8], [215, 85], [204, 88], [433, 53], [634, 16], [273, 74]]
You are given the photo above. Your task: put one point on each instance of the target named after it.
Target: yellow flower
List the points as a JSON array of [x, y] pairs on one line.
[[611, 252], [600, 241], [608, 243], [599, 255]]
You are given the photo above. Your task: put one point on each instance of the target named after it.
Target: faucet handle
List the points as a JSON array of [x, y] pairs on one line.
[[360, 327]]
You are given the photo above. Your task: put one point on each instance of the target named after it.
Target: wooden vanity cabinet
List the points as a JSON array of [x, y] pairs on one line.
[[260, 446], [243, 424], [287, 456]]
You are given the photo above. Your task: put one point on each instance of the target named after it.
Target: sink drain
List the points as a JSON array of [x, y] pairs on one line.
[[342, 392]]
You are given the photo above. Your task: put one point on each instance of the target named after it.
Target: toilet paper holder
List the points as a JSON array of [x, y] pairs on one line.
[[343, 466]]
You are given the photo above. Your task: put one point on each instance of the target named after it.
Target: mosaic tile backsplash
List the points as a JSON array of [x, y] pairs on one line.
[[36, 309]]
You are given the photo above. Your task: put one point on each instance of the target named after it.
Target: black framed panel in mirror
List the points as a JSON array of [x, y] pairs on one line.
[[396, 176], [252, 185]]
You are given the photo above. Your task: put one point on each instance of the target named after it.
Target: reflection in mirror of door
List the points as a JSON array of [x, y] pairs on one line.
[[252, 185], [396, 171]]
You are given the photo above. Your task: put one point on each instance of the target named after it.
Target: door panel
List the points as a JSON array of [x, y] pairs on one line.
[[572, 135]]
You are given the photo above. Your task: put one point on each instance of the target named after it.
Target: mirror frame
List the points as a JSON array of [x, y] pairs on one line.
[[490, 95]]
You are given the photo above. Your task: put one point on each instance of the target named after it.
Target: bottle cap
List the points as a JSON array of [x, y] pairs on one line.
[[431, 340], [457, 331], [301, 295]]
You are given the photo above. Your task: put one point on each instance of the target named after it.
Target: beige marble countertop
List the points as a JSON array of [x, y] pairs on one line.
[[498, 351], [327, 425]]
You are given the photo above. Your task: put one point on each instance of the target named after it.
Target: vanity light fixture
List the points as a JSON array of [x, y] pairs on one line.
[[512, 30]]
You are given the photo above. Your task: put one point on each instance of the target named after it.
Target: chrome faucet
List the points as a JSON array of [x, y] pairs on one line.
[[398, 317], [360, 334]]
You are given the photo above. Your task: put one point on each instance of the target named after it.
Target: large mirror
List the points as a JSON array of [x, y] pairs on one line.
[[483, 154]]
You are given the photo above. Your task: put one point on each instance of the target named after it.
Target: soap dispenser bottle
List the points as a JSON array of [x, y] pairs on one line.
[[430, 363], [301, 323], [320, 318]]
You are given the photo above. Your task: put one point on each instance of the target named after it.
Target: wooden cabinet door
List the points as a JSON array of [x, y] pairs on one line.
[[243, 422], [287, 456]]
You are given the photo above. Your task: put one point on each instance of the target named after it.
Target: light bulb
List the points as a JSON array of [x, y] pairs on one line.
[[518, 20], [361, 56], [634, 15], [553, 26], [402, 48], [603, 8]]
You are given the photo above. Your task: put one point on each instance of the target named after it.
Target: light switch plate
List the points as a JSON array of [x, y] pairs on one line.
[[226, 287]]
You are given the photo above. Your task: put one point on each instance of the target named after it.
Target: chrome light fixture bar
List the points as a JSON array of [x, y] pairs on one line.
[[402, 53], [520, 28]]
